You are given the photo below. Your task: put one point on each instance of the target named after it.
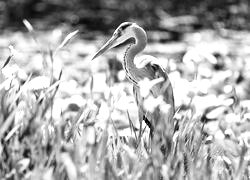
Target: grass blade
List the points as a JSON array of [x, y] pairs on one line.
[[7, 61], [28, 25], [66, 40]]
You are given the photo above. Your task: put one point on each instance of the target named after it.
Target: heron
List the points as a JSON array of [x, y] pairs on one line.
[[138, 68]]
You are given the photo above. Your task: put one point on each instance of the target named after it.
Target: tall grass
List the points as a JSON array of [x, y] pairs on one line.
[[37, 145]]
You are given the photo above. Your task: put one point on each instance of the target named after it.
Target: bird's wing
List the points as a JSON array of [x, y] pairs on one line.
[[151, 68], [164, 88], [144, 60]]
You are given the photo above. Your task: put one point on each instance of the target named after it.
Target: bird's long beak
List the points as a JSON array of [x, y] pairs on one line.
[[110, 44]]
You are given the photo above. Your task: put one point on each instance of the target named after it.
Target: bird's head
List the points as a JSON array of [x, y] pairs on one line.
[[123, 33]]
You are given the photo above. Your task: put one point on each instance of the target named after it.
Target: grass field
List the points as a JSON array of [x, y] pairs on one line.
[[65, 117]]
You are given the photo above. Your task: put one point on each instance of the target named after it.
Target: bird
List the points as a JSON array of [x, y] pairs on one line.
[[139, 68]]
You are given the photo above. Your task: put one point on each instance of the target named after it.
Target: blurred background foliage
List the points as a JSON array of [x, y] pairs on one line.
[[103, 15]]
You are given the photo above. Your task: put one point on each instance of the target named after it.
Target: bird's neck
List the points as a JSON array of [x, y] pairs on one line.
[[132, 50]]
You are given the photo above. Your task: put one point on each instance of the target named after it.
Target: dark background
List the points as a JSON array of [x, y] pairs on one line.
[[103, 15]]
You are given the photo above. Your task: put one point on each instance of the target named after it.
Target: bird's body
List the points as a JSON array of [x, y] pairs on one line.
[[139, 68]]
